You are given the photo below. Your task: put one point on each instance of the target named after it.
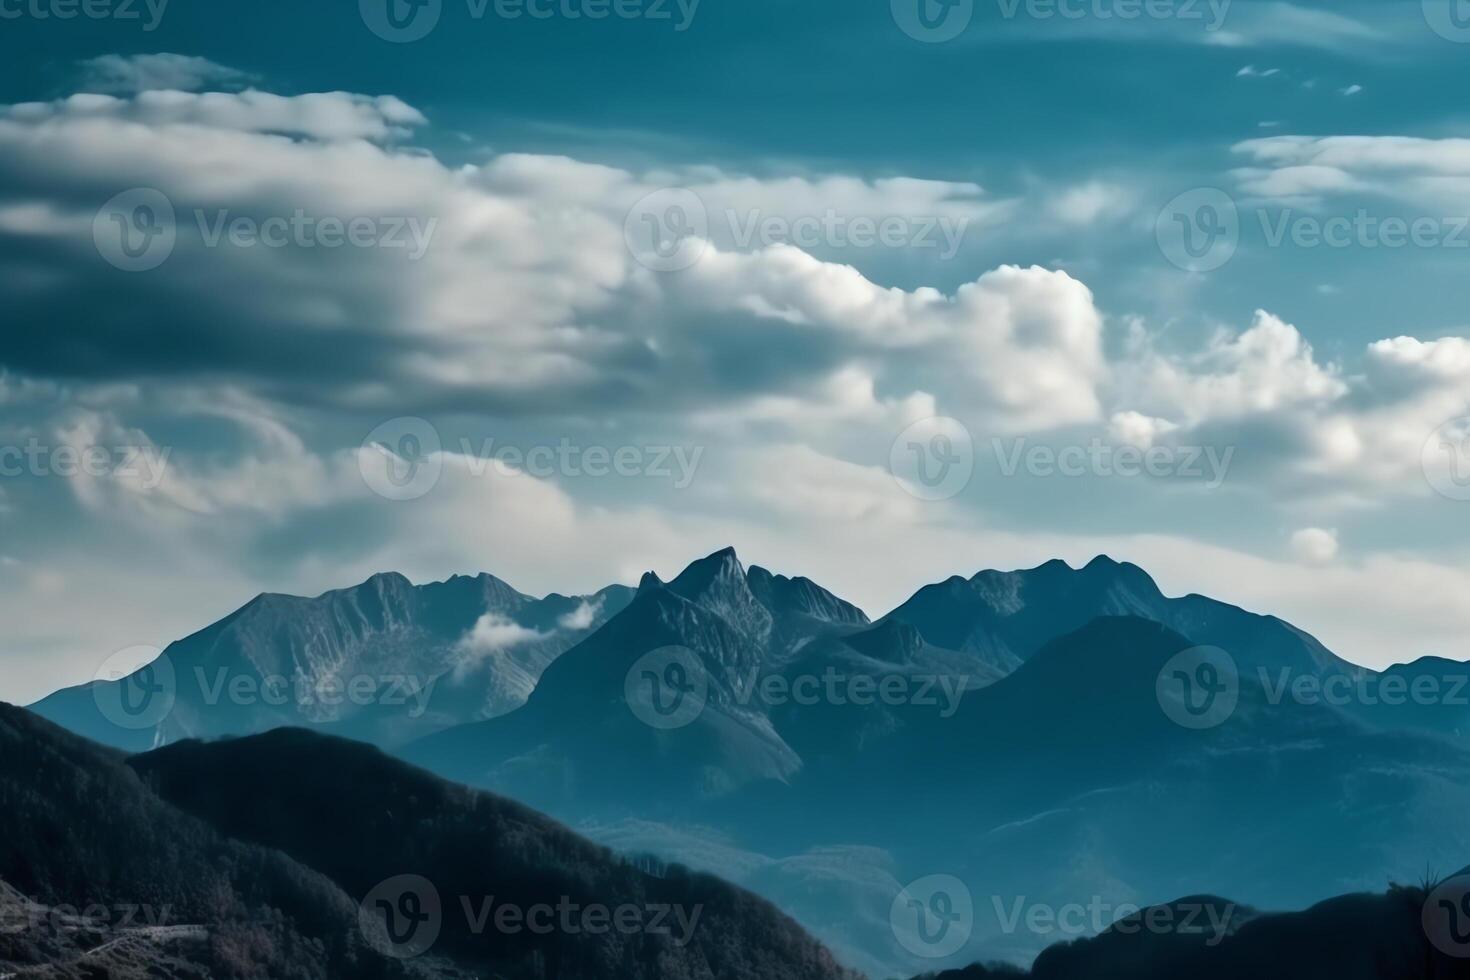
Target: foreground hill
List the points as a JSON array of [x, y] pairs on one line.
[[299, 855], [83, 832], [1398, 935]]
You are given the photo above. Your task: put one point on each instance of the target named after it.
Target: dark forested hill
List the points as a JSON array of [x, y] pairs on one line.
[[296, 855], [514, 891]]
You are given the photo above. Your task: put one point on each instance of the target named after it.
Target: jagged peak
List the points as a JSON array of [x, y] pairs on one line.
[[721, 569], [722, 562]]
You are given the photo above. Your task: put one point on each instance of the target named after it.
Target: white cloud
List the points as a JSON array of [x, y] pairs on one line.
[[1087, 203], [117, 74], [1280, 23], [1267, 368], [1431, 174], [493, 633], [582, 617], [1315, 545]]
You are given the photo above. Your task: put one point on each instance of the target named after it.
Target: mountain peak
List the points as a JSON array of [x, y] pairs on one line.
[[387, 581], [721, 567], [718, 583]]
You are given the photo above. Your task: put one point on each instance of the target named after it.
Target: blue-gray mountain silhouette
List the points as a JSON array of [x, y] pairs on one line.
[[409, 645], [1059, 771]]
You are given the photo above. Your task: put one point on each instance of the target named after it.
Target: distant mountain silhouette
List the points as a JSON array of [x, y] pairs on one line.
[[1060, 770], [1002, 618], [242, 855], [424, 657]]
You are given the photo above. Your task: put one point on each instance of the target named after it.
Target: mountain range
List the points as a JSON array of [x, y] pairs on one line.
[[1016, 731]]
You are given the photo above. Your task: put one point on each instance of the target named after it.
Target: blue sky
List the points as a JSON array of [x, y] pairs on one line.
[[1030, 171]]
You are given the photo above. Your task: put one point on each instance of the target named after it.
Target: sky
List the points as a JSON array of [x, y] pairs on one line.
[[876, 292]]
